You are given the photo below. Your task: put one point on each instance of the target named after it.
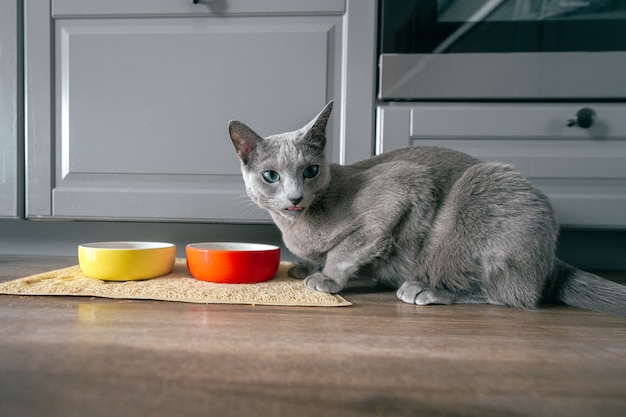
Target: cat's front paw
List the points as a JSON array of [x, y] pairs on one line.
[[414, 292], [299, 271], [322, 283]]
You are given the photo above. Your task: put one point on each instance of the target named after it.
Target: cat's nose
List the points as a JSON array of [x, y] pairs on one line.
[[295, 201]]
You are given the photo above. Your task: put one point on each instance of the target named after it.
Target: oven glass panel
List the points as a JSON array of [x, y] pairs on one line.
[[467, 26]]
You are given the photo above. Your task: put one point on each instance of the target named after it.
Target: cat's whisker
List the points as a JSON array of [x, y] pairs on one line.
[[248, 206], [252, 208]]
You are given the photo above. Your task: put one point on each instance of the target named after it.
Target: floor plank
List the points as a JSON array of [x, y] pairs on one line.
[[72, 356]]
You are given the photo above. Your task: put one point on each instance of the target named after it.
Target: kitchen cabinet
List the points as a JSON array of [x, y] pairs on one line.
[[128, 102], [10, 156], [582, 170]]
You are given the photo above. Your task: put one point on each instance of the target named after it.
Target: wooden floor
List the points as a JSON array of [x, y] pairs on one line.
[[64, 356]]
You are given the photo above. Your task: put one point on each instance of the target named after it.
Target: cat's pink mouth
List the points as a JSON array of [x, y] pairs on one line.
[[294, 208]]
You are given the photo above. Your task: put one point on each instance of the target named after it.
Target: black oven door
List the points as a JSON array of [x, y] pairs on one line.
[[502, 49]]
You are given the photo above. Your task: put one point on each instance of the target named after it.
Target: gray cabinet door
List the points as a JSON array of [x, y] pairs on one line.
[[9, 149], [583, 171], [141, 103]]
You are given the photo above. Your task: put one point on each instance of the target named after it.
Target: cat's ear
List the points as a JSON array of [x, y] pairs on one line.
[[244, 139], [316, 129]]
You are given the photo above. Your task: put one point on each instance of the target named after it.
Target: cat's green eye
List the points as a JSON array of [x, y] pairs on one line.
[[311, 171], [271, 176]]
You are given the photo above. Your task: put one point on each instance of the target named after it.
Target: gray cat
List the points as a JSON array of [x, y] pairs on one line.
[[439, 225]]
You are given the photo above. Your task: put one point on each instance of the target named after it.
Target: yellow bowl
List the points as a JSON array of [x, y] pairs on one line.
[[126, 261]]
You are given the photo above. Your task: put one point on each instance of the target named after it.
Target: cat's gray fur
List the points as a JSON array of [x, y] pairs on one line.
[[439, 225]]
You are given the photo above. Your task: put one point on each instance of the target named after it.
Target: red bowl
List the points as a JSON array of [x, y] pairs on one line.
[[233, 263]]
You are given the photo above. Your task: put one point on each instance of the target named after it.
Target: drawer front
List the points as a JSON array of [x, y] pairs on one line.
[[500, 121], [65, 8], [540, 140], [582, 170]]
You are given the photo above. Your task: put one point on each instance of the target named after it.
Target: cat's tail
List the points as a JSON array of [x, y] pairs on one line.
[[577, 288]]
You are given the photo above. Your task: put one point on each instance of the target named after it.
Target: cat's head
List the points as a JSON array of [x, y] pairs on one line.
[[284, 173]]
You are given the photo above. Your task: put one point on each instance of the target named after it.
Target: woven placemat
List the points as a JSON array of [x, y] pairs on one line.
[[176, 286]]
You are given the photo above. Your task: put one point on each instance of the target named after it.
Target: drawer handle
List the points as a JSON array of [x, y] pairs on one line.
[[584, 118]]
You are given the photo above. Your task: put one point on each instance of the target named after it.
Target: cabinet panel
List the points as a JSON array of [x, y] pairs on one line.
[[127, 110], [143, 106], [9, 149], [155, 96], [583, 171]]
